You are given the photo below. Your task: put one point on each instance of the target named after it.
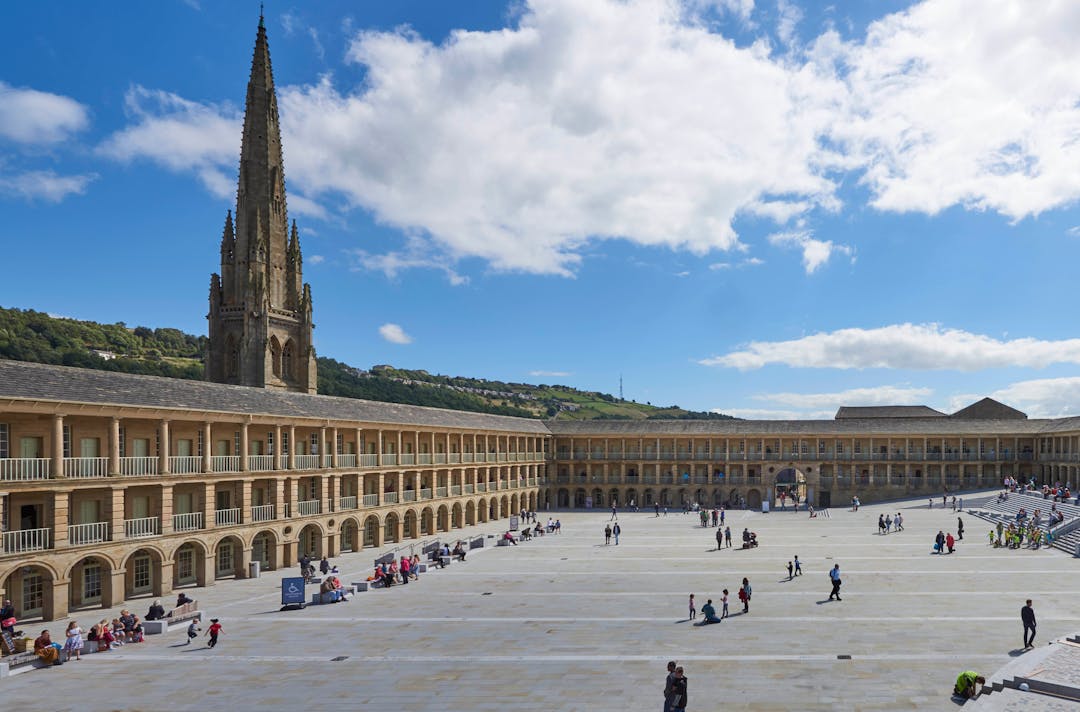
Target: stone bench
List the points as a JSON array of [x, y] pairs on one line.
[[9, 664], [176, 617], [318, 599], [358, 586]]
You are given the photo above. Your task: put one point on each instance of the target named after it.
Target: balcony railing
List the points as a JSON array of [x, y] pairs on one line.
[[455, 490], [390, 498], [225, 463], [138, 466], [308, 507], [85, 467], [469, 489], [455, 458], [388, 460], [481, 486], [262, 513], [307, 462], [327, 460], [346, 503], [440, 458], [408, 496], [185, 464], [425, 493], [346, 460], [187, 522], [143, 526], [439, 492], [260, 463], [371, 500], [24, 540], [24, 468], [423, 458], [90, 533], [407, 458], [467, 457], [226, 517]]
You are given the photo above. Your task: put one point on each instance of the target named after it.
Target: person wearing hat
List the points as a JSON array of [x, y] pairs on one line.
[[213, 631]]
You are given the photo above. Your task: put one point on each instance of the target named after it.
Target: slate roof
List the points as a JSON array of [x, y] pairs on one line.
[[35, 381], [848, 427], [887, 411], [989, 408]]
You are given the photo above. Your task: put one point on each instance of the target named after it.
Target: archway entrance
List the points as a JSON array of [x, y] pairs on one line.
[[753, 499], [790, 486]]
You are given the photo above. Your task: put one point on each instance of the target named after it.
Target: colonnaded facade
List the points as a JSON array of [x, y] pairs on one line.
[[116, 486]]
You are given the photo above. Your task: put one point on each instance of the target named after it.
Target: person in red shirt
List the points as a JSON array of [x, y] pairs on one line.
[[213, 631], [950, 542]]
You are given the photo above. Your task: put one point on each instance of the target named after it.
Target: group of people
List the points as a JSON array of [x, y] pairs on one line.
[[105, 635], [1015, 536], [708, 611], [887, 523], [390, 572], [612, 531], [719, 515]]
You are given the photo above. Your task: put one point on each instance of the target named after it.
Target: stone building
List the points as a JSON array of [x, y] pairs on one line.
[[116, 486]]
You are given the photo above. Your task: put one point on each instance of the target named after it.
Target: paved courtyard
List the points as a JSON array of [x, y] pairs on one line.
[[564, 622]]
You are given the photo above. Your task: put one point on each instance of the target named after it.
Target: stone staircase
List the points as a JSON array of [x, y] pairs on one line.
[[1048, 672], [994, 511]]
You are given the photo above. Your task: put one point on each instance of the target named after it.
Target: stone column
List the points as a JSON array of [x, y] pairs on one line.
[[279, 500], [382, 484], [56, 454], [245, 506], [335, 492], [60, 505], [277, 448], [245, 448], [113, 588], [208, 448], [292, 447], [163, 586], [166, 509], [324, 494], [114, 447], [116, 512], [323, 451], [209, 506], [164, 433]]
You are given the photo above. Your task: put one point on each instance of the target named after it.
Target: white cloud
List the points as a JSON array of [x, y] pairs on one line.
[[414, 256], [36, 117], [1041, 398], [684, 273], [44, 185], [550, 374], [789, 16], [815, 252], [181, 135], [316, 260], [748, 262], [753, 261], [394, 334], [879, 395], [904, 346], [966, 102], [774, 414]]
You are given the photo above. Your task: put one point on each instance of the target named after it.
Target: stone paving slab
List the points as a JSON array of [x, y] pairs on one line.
[[564, 622]]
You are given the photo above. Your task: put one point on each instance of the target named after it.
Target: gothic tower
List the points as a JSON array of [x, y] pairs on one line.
[[260, 308]]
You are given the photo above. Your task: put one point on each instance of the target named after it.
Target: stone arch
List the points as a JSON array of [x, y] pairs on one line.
[[504, 507], [718, 497], [532, 502], [701, 497], [790, 482], [391, 528], [457, 516], [189, 563], [90, 582], [442, 518], [264, 546], [613, 497], [427, 521], [470, 513], [753, 499], [409, 529], [493, 507], [310, 541], [631, 498], [372, 531], [349, 535], [665, 498], [562, 498], [229, 557], [514, 506], [288, 366], [733, 497], [142, 573], [649, 497], [482, 510], [597, 497], [275, 356], [579, 498], [29, 585]]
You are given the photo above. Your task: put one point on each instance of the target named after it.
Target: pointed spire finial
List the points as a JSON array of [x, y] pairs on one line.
[[261, 25]]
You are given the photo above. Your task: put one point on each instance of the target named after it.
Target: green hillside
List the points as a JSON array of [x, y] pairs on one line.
[[27, 335]]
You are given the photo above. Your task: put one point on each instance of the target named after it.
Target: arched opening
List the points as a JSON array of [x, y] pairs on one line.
[[562, 499], [579, 498], [287, 357], [631, 498], [371, 531], [482, 510], [232, 358], [264, 550], [613, 498], [753, 499], [30, 589], [504, 507], [597, 498], [390, 528], [650, 498], [457, 518], [143, 574], [408, 525], [665, 498], [470, 513], [275, 356], [493, 506], [189, 565], [790, 483], [310, 542], [90, 579], [718, 498], [229, 558], [442, 520], [427, 521], [348, 536]]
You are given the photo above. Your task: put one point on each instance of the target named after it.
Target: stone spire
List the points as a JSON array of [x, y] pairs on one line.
[[260, 325]]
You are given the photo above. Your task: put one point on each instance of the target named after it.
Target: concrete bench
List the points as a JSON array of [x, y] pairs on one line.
[[318, 599], [175, 618], [9, 664], [358, 586]]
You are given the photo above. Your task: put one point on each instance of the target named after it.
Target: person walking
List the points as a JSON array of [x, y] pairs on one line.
[[722, 516], [727, 536], [798, 566], [667, 685], [950, 542], [677, 696], [614, 511], [616, 531], [888, 523], [693, 609], [213, 631], [656, 506], [881, 524], [834, 576], [607, 535], [1027, 617], [744, 594], [790, 570], [899, 522], [959, 528], [719, 538]]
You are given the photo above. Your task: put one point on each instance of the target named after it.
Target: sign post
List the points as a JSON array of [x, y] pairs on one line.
[[292, 593]]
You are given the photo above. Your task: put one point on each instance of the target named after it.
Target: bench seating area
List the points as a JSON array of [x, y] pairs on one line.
[[181, 615]]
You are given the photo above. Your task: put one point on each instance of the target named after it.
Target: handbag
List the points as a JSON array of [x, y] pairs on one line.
[[8, 622]]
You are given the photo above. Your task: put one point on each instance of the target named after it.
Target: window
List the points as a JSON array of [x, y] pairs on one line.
[[67, 441], [340, 443], [236, 443], [140, 582], [157, 443], [820, 447], [270, 443], [122, 436], [314, 443], [185, 565], [5, 446], [225, 558], [91, 588], [199, 444], [284, 443]]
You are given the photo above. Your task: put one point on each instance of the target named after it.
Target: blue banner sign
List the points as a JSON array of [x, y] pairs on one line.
[[292, 591]]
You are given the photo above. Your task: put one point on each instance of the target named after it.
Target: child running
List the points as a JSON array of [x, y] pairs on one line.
[[213, 631], [693, 610]]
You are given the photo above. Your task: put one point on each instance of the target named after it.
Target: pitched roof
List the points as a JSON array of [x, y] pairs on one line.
[[36, 381], [887, 411], [846, 427], [989, 408]]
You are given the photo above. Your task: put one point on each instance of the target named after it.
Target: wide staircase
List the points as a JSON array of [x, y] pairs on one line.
[[1005, 512]]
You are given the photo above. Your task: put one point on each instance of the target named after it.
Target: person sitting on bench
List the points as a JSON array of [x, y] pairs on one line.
[[509, 537], [459, 552], [526, 534], [182, 599]]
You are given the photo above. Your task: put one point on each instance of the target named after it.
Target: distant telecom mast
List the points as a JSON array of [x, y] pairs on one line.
[[620, 387]]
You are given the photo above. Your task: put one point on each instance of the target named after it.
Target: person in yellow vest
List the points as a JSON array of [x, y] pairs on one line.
[[967, 684]]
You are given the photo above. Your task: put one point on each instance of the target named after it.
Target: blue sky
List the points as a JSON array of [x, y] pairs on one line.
[[764, 208]]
